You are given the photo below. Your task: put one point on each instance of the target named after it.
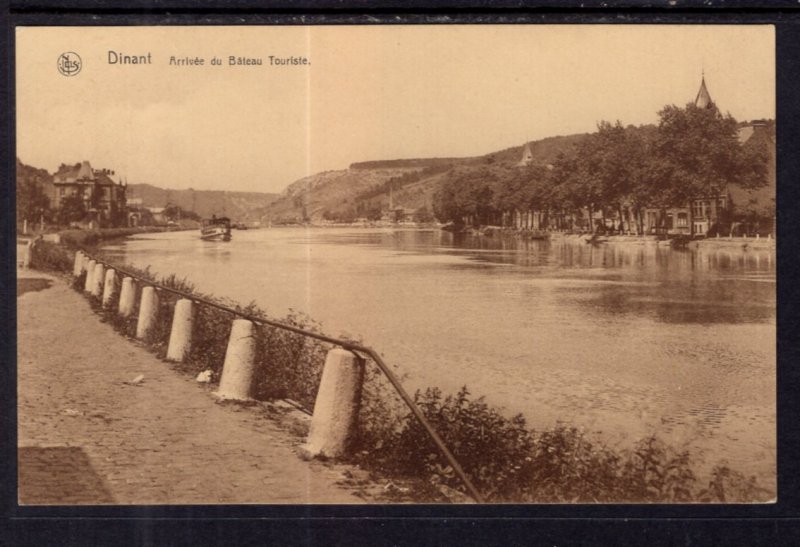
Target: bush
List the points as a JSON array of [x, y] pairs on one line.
[[487, 445], [46, 255], [289, 365], [212, 328], [507, 462]]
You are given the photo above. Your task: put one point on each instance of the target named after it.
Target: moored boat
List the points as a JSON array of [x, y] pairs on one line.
[[216, 229]]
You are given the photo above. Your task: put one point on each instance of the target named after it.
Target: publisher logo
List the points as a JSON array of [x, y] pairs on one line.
[[69, 63]]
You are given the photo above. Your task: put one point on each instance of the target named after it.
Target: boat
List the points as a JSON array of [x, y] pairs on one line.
[[216, 229], [596, 239]]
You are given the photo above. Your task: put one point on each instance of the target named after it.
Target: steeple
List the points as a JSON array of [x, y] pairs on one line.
[[527, 156], [703, 99]]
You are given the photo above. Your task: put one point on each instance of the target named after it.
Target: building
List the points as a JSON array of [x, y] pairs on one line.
[[100, 190], [527, 156]]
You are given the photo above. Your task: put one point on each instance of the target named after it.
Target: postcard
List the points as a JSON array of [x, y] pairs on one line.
[[387, 264]]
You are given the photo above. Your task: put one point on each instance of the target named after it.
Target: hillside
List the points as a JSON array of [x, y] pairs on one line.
[[330, 191], [27, 174], [240, 206], [363, 189]]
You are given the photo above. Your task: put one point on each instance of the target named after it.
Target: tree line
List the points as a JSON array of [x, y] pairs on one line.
[[615, 172]]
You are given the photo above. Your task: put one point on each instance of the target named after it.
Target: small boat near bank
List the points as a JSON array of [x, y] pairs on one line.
[[216, 229], [596, 239]]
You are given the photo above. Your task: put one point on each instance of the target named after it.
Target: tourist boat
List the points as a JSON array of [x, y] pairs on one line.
[[216, 229]]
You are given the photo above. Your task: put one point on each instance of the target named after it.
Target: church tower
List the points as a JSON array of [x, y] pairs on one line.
[[703, 99]]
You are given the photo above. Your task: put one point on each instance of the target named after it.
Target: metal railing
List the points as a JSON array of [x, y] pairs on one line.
[[345, 344]]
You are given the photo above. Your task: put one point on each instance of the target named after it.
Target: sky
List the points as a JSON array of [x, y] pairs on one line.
[[367, 93]]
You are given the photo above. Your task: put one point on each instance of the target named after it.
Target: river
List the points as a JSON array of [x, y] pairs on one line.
[[626, 340]]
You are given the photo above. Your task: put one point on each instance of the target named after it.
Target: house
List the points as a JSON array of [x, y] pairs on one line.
[[102, 193]]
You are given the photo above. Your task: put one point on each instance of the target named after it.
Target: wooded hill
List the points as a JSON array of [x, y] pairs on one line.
[[240, 206], [363, 190]]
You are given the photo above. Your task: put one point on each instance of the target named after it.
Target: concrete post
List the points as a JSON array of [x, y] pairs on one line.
[[180, 337], [98, 277], [87, 286], [109, 286], [77, 266], [337, 405], [237, 372], [148, 312], [127, 297]]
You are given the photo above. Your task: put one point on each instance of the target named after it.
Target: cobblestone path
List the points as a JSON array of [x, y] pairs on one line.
[[86, 437]]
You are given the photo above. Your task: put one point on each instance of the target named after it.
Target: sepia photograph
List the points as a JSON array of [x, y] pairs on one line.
[[396, 264]]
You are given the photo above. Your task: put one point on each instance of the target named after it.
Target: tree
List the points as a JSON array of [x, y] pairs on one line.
[[32, 202], [72, 209], [465, 196], [423, 215], [699, 154]]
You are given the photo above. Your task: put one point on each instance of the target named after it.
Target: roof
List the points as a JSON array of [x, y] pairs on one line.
[[80, 172], [83, 173], [703, 99]]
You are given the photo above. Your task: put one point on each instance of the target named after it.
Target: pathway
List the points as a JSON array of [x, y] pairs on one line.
[[86, 437]]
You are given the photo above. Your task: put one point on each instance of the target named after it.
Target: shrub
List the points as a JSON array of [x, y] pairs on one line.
[[487, 445], [212, 328], [78, 283], [381, 415], [508, 462], [288, 365], [727, 485], [46, 255]]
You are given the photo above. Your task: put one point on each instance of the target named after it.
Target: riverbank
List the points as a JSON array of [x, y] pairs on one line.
[[721, 243], [78, 238], [89, 435]]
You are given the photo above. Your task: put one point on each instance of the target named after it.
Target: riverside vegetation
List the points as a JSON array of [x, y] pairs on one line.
[[507, 461]]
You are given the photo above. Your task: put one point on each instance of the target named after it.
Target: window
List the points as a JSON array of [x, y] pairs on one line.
[[697, 209], [669, 221], [683, 220]]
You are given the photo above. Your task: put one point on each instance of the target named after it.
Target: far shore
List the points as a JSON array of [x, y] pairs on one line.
[[80, 237]]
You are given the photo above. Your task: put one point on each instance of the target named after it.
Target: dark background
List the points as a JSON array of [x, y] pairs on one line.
[[773, 524]]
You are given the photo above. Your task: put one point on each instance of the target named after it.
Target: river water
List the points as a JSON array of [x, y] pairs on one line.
[[626, 340]]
